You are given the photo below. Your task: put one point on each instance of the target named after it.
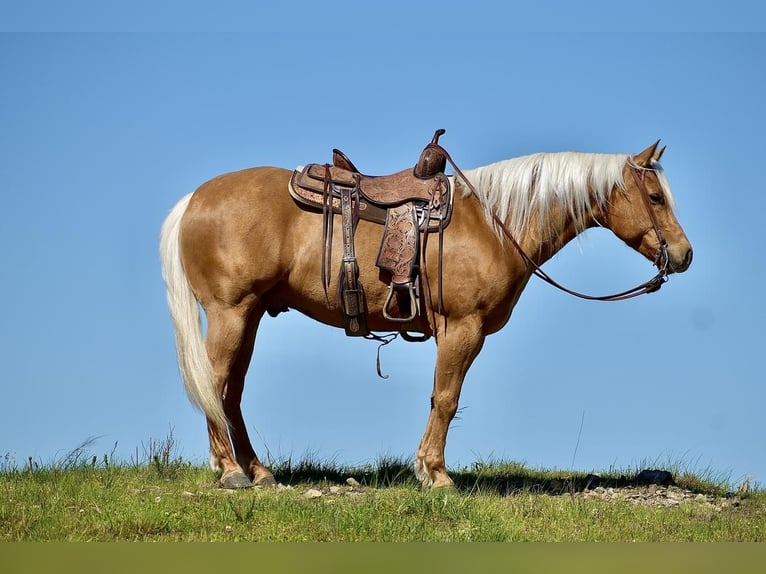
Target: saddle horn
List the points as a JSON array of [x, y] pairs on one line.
[[432, 161]]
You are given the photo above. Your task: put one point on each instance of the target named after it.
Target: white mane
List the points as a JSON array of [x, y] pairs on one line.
[[518, 189]]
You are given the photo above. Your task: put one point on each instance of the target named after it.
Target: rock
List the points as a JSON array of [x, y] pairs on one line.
[[673, 493], [352, 482], [312, 493], [335, 490], [661, 477]]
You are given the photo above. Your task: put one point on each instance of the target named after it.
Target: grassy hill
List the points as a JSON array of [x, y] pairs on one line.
[[164, 498]]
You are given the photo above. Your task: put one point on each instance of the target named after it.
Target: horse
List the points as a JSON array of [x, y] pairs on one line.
[[240, 246]]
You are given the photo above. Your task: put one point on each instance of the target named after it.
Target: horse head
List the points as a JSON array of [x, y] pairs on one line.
[[641, 213]]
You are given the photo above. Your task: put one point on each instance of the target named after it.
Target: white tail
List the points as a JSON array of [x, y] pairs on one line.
[[193, 361]]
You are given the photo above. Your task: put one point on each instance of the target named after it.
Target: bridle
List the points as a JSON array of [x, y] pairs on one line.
[[661, 260]]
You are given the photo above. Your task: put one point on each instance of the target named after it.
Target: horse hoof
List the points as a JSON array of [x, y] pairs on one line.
[[267, 481], [443, 484], [235, 480]]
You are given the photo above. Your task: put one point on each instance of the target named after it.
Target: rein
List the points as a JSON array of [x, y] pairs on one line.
[[661, 260]]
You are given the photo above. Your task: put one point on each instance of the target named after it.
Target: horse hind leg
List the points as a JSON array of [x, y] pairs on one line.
[[243, 449], [229, 343]]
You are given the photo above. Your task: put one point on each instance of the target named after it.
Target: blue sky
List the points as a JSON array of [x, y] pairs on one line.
[[100, 134]]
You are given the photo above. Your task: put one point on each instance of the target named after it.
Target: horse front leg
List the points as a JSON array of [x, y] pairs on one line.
[[457, 348]]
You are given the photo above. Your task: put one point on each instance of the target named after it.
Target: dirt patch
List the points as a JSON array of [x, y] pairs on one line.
[[658, 496]]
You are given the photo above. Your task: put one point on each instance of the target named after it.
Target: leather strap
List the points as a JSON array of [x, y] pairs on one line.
[[352, 296], [435, 205], [349, 258], [661, 261], [327, 226]]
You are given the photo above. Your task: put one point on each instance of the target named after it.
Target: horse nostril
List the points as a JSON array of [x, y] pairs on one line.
[[688, 258]]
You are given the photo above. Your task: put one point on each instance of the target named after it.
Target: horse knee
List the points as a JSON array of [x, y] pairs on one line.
[[445, 403]]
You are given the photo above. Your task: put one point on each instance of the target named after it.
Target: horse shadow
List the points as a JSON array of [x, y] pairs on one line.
[[507, 480], [471, 482]]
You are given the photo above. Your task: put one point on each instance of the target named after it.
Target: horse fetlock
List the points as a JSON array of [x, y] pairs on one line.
[[432, 476], [421, 472]]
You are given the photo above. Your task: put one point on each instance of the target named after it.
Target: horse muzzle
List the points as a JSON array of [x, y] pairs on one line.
[[679, 262]]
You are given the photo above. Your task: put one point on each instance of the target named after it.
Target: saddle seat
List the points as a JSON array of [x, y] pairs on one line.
[[317, 184], [399, 187], [407, 203]]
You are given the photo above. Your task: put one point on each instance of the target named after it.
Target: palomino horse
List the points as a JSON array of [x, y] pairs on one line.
[[240, 247]]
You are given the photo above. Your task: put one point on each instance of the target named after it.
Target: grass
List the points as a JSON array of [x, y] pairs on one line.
[[160, 497]]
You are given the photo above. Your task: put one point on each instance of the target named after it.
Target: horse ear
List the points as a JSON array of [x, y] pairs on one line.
[[644, 159], [658, 153]]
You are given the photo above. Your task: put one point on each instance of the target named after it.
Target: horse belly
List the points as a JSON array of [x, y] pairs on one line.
[[303, 288]]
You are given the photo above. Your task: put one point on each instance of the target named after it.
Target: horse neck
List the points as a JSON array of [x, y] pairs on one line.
[[560, 227], [543, 219]]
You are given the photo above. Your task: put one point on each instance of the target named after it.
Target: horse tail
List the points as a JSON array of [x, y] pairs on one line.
[[193, 360]]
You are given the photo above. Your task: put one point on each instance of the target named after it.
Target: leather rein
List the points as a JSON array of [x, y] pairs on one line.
[[661, 260]]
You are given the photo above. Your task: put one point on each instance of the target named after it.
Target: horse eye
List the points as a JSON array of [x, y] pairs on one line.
[[657, 198]]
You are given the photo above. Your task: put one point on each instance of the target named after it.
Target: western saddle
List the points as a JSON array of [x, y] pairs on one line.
[[407, 203]]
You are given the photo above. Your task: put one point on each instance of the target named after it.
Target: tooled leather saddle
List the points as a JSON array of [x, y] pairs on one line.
[[407, 204]]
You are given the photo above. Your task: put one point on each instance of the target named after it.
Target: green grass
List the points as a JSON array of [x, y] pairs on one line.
[[163, 498]]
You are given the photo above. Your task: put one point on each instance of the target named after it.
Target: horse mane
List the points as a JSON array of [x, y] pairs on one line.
[[535, 187]]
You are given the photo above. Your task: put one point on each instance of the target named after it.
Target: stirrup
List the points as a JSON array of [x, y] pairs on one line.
[[414, 304]]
